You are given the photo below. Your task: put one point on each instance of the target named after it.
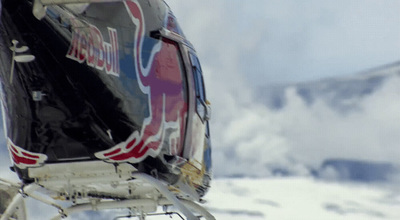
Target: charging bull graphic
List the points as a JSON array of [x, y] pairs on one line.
[[112, 82], [162, 81]]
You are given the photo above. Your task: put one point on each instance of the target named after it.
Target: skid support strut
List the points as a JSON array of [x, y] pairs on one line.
[[184, 206], [17, 201]]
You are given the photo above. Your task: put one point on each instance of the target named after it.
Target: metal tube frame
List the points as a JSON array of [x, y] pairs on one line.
[[186, 207]]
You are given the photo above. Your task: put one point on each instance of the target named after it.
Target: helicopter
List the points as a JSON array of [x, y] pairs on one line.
[[104, 107]]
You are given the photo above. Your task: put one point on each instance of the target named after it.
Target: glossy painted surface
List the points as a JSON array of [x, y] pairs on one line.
[[115, 88], [162, 80]]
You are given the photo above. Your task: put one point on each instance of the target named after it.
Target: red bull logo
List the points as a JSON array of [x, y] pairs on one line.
[[88, 45], [162, 81], [23, 158]]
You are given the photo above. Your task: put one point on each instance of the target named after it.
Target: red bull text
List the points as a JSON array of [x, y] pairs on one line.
[[88, 45]]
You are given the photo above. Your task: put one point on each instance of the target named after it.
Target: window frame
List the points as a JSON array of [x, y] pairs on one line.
[[200, 90]]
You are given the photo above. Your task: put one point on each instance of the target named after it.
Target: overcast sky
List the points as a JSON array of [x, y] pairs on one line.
[[290, 40], [246, 44]]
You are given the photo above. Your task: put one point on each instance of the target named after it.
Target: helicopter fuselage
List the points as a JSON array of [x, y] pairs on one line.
[[97, 87]]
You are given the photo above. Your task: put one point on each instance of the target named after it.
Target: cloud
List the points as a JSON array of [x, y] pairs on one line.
[[318, 132], [244, 45], [251, 139], [280, 41]]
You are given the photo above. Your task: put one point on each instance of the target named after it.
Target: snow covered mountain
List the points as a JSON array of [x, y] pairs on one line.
[[334, 141], [341, 93], [300, 129]]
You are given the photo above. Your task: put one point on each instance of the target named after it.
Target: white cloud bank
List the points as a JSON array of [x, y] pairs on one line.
[[244, 44], [251, 139]]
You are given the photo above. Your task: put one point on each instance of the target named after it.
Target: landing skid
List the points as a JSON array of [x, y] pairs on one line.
[[141, 207]]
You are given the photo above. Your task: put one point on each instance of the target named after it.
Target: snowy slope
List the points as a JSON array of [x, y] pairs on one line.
[[301, 199]]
